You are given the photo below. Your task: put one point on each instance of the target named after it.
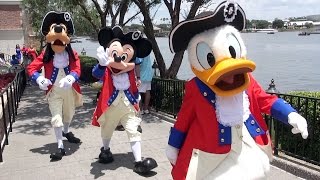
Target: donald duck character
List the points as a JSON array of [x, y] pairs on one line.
[[61, 73], [119, 97], [220, 132]]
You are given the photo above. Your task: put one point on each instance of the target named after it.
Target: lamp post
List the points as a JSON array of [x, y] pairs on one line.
[[83, 52], [155, 67], [272, 88]]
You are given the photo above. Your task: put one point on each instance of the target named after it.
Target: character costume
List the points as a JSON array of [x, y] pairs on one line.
[[220, 132], [61, 73], [119, 97]]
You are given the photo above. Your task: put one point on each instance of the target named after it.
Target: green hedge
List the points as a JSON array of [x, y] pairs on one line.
[[87, 63]]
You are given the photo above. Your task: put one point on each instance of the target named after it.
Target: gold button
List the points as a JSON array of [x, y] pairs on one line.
[[241, 136], [205, 93], [222, 130], [258, 130], [222, 140], [252, 122]]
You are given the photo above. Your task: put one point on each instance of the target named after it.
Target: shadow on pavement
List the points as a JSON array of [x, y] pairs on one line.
[[52, 147], [120, 160]]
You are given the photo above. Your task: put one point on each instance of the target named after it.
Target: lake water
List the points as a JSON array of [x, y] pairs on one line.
[[292, 61]]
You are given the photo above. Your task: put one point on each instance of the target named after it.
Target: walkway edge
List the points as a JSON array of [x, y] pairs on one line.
[[295, 168], [286, 165]]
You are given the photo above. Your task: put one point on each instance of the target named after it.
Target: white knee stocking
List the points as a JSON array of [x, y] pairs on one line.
[[66, 127], [58, 132], [136, 150], [105, 143]]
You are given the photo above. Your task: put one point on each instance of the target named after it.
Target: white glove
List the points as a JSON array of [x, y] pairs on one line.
[[299, 124], [67, 82], [43, 82], [103, 56], [172, 154]]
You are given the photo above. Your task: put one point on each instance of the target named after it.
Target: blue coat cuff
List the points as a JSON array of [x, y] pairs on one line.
[[98, 71], [176, 138], [75, 75], [281, 109], [34, 77]]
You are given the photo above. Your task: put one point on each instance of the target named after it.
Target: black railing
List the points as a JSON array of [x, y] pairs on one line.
[[10, 98], [166, 96]]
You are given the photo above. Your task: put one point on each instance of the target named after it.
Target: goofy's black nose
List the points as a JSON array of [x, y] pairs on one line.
[[58, 29]]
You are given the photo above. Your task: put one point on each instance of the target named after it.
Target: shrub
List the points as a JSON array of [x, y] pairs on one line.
[[87, 63]]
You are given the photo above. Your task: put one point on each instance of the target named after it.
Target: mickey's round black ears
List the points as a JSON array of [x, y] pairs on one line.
[[142, 45]]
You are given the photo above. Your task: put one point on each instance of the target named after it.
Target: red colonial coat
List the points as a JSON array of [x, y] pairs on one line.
[[37, 64], [198, 117], [106, 93]]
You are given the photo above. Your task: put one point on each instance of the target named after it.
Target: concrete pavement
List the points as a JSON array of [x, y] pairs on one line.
[[32, 140]]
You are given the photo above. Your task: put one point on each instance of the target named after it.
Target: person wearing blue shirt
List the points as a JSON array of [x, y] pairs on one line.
[[14, 60], [144, 81]]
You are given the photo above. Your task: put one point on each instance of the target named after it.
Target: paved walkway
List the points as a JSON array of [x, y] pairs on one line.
[[32, 140]]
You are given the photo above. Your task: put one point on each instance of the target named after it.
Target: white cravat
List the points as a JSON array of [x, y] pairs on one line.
[[232, 110], [121, 81], [61, 60]]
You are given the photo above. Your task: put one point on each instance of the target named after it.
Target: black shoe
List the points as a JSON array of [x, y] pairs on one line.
[[120, 128], [139, 129], [105, 156], [144, 166], [71, 138], [58, 155]]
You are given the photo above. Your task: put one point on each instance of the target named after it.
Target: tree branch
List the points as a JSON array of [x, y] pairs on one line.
[[97, 5]]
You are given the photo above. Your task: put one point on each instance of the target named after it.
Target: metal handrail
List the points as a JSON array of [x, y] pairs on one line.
[[13, 91]]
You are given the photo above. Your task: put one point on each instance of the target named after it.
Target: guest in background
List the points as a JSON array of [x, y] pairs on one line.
[[145, 78]]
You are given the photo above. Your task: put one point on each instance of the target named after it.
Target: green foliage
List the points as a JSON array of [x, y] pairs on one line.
[[168, 95], [87, 63], [37, 9], [278, 24], [260, 24], [248, 24]]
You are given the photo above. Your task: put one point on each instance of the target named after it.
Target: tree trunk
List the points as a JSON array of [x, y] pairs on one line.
[[175, 65], [103, 20]]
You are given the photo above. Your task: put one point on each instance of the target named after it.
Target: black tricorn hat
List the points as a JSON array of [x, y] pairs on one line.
[[58, 18], [226, 13], [142, 46]]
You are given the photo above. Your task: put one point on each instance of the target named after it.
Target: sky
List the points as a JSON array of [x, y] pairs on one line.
[[254, 9], [265, 9]]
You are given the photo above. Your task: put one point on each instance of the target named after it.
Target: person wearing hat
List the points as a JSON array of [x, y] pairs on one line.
[[61, 74], [220, 132], [119, 97]]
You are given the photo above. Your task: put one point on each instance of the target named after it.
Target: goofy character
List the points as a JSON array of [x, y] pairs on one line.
[[61, 73], [220, 132], [119, 97]]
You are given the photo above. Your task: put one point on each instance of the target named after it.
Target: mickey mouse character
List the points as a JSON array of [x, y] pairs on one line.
[[119, 97], [62, 71], [220, 132]]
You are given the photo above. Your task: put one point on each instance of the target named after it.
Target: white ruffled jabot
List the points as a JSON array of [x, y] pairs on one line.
[[61, 60], [234, 110]]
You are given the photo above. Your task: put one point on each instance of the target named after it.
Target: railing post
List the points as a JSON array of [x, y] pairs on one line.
[[9, 109], [272, 88], [6, 142]]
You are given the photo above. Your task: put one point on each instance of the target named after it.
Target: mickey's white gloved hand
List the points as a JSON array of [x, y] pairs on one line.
[[299, 124], [103, 56], [67, 82], [172, 154], [43, 82]]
